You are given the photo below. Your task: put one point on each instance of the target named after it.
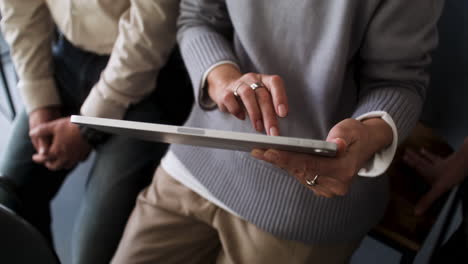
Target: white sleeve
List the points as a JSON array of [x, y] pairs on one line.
[[378, 164]]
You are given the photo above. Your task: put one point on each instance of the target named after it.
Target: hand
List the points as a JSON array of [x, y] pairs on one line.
[[357, 142], [441, 173], [67, 147], [262, 105], [38, 117]]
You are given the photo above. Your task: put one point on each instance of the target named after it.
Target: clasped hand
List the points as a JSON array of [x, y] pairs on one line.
[[58, 142]]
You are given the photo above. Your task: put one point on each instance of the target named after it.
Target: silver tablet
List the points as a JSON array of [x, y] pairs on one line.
[[205, 137]]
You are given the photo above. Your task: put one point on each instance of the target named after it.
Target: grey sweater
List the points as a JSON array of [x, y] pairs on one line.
[[338, 59]]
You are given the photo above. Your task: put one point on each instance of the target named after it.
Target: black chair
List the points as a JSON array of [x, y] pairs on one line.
[[22, 243]]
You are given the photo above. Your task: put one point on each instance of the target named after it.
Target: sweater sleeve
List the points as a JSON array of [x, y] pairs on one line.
[[394, 56], [146, 37], [204, 36], [28, 28]]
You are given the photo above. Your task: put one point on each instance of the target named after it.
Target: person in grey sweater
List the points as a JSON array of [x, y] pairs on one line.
[[351, 72]]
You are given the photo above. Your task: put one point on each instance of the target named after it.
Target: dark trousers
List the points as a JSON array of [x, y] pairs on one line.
[[122, 166]]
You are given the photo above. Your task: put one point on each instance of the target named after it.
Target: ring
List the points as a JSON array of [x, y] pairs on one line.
[[313, 182], [257, 85], [237, 88]]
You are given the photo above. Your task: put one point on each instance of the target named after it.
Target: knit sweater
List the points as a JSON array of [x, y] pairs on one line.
[[338, 59]]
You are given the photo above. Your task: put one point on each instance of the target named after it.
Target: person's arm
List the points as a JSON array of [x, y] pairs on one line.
[[29, 30], [442, 173], [394, 56], [205, 38], [146, 37], [147, 32], [393, 75]]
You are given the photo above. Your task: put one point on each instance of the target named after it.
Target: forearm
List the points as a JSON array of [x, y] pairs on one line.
[[395, 55], [147, 32], [204, 32], [28, 29]]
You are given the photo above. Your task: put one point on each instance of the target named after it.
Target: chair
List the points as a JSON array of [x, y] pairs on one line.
[[22, 243], [400, 228]]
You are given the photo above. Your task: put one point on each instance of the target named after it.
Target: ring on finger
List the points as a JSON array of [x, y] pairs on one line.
[[257, 85], [313, 182]]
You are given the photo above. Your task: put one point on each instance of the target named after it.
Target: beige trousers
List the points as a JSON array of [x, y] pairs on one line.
[[172, 224]]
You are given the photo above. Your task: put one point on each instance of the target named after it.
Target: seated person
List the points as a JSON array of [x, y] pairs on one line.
[[350, 72], [107, 62]]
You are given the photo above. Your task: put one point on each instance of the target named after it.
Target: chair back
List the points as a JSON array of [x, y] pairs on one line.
[[21, 243]]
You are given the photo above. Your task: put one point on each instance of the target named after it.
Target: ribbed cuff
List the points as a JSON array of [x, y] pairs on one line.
[[202, 49], [402, 105], [39, 93], [96, 105]]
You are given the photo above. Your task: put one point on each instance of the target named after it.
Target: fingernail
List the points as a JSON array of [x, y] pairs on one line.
[[259, 125], [41, 150], [274, 131], [271, 156], [282, 111]]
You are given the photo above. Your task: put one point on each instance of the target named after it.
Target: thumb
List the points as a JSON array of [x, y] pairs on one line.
[[341, 144], [428, 199]]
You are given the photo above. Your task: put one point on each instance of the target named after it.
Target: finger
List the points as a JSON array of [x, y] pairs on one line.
[[56, 165], [39, 158], [270, 122], [341, 145], [249, 100], [43, 130], [328, 186], [344, 132], [258, 153], [231, 104], [294, 163], [43, 145], [420, 164], [416, 160], [278, 93], [428, 199], [430, 156]]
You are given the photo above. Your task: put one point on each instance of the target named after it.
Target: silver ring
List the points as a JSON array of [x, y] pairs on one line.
[[312, 182], [237, 88], [257, 85]]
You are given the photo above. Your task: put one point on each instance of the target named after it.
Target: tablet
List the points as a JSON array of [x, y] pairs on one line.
[[205, 137]]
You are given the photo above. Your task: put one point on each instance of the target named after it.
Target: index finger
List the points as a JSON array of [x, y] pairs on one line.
[[278, 93]]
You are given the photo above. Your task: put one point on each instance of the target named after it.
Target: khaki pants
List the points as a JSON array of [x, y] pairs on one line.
[[172, 224]]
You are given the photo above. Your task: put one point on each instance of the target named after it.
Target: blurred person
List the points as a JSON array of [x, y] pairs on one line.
[[443, 174], [350, 72], [99, 58]]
